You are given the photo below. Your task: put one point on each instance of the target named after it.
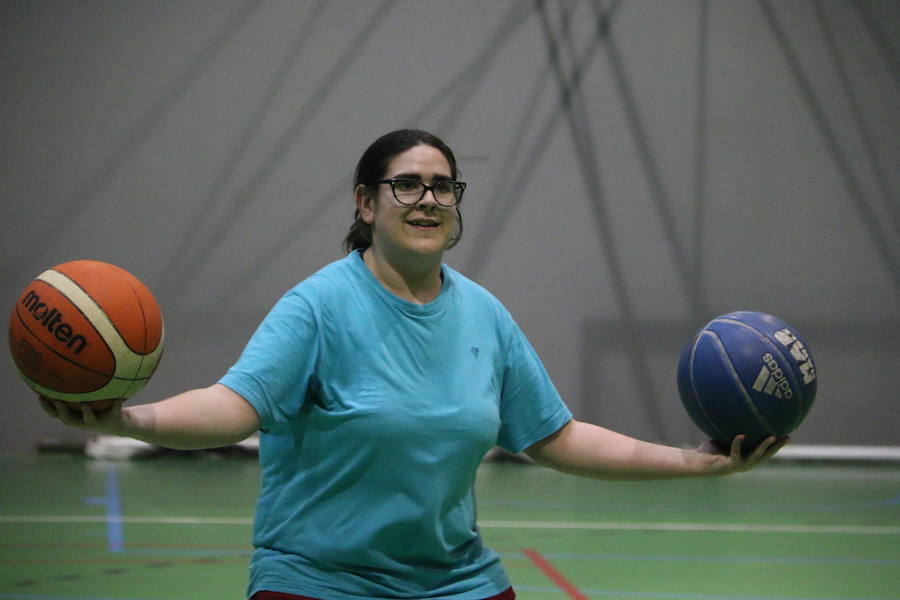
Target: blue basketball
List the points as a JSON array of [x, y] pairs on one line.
[[747, 373]]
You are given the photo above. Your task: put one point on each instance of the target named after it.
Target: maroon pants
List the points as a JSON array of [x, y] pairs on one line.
[[509, 594]]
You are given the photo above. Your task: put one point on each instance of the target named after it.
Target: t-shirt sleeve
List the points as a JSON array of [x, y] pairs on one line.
[[530, 406], [277, 366]]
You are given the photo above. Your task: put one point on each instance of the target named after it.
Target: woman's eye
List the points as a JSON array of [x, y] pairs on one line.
[[406, 186]]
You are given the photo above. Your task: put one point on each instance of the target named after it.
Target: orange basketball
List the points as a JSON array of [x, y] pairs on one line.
[[86, 331]]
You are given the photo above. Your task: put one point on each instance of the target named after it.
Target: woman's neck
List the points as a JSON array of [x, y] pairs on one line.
[[415, 281]]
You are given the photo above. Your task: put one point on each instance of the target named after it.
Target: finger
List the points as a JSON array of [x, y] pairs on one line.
[[115, 406], [88, 415], [761, 449], [66, 414], [775, 447], [104, 414], [48, 407], [736, 446], [61, 410]]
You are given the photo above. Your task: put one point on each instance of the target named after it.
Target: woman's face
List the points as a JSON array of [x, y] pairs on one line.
[[425, 228]]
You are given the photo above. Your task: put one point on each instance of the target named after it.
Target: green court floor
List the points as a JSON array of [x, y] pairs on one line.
[[178, 528]]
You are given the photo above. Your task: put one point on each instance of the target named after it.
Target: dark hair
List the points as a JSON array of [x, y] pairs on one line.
[[372, 166]]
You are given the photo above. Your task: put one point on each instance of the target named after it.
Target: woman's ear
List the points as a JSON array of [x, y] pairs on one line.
[[365, 203]]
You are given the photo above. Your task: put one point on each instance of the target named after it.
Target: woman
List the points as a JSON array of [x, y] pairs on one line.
[[378, 384]]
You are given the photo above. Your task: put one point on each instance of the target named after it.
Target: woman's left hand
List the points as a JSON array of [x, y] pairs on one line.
[[732, 460]]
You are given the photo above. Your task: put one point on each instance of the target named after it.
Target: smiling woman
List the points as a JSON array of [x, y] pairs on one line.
[[378, 384], [372, 170], [409, 239]]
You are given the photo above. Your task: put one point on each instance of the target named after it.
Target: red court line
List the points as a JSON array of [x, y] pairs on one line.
[[550, 571]]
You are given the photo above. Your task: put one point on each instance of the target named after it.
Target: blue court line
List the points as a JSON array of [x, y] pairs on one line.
[[115, 533]]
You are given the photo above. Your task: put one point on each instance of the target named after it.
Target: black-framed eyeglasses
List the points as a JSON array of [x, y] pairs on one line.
[[447, 193]]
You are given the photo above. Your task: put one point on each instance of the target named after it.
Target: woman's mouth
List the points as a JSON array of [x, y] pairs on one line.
[[424, 224]]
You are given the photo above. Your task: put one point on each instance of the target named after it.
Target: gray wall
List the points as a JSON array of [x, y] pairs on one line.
[[635, 168]]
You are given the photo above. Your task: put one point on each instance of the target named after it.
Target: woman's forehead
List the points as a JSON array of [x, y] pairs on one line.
[[422, 160]]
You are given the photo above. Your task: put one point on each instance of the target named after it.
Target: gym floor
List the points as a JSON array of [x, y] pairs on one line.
[[177, 527]]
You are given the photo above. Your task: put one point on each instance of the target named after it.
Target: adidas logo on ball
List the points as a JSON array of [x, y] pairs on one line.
[[771, 379]]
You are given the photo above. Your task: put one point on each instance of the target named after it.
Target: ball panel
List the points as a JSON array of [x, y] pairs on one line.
[[137, 367], [150, 361], [114, 389], [721, 394], [688, 393], [764, 373], [151, 336], [60, 375], [77, 296], [799, 356], [759, 321], [126, 301], [793, 348], [54, 344], [134, 386]]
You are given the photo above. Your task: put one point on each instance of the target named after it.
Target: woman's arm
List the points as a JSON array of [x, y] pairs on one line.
[[203, 418], [591, 451]]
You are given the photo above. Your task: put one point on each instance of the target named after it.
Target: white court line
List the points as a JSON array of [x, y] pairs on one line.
[[574, 525], [102, 519], [624, 526]]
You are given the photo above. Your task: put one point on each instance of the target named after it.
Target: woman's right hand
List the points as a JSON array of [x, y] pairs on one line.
[[112, 420], [208, 417]]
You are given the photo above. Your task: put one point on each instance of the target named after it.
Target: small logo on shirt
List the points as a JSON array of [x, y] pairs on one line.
[[474, 350]]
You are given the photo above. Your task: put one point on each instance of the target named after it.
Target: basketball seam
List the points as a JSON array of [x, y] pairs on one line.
[[87, 318], [697, 397], [98, 394], [64, 357], [97, 303], [798, 404], [106, 318], [140, 305], [143, 357], [740, 385]]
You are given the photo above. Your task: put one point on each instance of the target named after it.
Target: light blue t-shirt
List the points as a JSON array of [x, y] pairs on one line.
[[376, 413]]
